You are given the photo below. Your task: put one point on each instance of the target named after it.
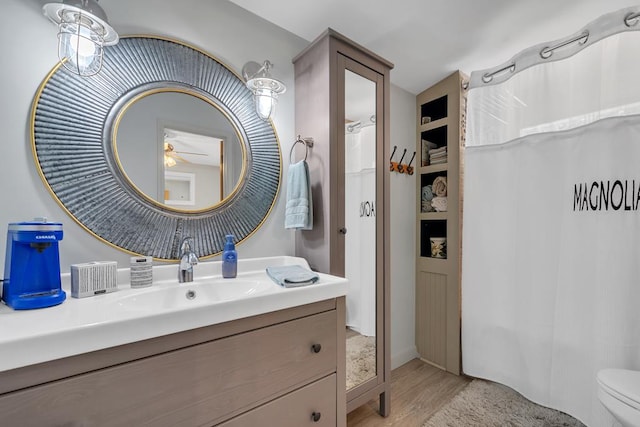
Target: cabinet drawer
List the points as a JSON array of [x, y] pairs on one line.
[[199, 385], [296, 409]]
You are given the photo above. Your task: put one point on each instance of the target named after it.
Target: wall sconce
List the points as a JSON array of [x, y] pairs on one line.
[[83, 30], [265, 88]]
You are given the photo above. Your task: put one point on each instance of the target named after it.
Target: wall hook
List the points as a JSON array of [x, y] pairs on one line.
[[394, 165], [409, 167], [400, 165]]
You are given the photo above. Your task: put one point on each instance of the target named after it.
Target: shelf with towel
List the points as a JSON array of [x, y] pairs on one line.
[[434, 146], [433, 192]]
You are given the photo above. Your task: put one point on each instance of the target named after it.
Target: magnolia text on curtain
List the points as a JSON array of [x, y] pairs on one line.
[[367, 209], [607, 195]]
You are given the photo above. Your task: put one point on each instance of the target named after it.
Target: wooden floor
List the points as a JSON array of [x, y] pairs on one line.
[[418, 390]]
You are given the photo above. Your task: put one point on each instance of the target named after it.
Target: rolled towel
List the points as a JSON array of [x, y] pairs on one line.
[[426, 206], [292, 276], [427, 193], [439, 204], [440, 186]]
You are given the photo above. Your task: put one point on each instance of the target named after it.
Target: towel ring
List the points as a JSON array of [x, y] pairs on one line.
[[307, 142]]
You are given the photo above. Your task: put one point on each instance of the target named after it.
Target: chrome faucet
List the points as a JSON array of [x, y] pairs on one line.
[[188, 259]]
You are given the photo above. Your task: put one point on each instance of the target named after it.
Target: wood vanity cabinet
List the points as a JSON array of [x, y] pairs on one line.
[[284, 368]]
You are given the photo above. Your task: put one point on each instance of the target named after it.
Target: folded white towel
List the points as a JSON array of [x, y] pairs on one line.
[[299, 208], [429, 144], [438, 161]]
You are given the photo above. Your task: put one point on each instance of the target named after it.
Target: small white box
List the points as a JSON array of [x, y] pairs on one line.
[[141, 271], [93, 278]]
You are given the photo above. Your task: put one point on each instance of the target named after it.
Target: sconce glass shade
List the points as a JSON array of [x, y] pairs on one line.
[[265, 88], [83, 30]]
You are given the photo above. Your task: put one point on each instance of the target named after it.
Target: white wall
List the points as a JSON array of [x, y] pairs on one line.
[[403, 232], [232, 35]]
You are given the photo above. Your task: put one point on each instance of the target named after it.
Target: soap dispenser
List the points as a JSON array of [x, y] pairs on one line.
[[229, 259]]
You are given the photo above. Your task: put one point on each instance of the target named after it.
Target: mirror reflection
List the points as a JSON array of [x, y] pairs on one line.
[[178, 149], [360, 221], [193, 173]]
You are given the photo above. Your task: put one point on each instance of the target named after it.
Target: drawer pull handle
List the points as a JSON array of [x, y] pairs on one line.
[[316, 416], [316, 348]]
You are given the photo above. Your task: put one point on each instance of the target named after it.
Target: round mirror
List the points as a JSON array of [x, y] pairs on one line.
[[79, 140], [178, 149]]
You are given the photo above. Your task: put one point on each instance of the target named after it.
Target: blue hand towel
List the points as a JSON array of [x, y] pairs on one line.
[[299, 208], [292, 276]]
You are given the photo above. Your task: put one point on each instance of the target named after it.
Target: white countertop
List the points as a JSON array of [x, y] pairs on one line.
[[82, 325]]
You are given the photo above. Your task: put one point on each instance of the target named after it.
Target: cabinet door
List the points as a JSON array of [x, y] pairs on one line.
[[312, 405]]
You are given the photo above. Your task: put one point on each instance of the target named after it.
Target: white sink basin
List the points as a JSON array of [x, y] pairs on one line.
[[88, 324], [192, 294]]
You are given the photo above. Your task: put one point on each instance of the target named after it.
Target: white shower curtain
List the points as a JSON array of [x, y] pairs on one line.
[[551, 228], [360, 221]]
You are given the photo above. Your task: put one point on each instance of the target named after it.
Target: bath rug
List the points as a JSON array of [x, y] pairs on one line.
[[361, 359], [488, 404]]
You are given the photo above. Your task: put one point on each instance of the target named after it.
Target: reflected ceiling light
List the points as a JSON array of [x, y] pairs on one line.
[[265, 88], [83, 31], [169, 161]]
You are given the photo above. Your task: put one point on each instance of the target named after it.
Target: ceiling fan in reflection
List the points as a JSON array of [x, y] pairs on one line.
[[171, 156]]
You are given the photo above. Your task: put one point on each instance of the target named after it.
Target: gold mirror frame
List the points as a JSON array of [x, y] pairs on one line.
[[72, 129]]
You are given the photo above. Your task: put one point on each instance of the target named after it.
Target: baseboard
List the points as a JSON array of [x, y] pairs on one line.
[[404, 356]]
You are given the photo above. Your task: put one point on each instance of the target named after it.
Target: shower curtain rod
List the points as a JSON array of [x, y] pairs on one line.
[[356, 126], [607, 25]]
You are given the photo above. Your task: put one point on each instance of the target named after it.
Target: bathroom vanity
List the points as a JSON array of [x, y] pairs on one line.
[[260, 355]]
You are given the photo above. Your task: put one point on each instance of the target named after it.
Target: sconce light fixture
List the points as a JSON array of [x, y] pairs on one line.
[[265, 88], [83, 31]]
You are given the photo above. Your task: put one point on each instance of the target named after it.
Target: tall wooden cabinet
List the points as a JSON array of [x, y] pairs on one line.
[[440, 144], [327, 74]]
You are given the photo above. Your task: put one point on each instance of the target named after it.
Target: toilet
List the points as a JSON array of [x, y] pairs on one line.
[[619, 392]]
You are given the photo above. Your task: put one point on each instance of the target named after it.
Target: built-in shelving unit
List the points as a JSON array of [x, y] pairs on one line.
[[440, 135]]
